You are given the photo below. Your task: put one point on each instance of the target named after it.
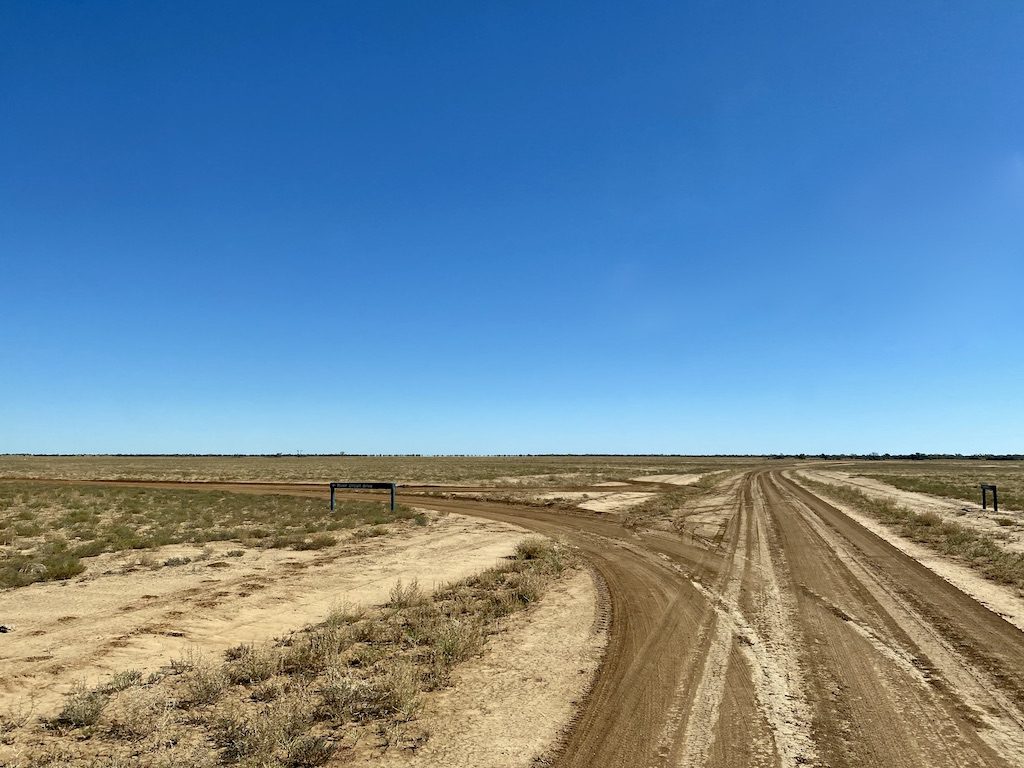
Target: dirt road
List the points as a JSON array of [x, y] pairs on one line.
[[803, 639], [796, 638]]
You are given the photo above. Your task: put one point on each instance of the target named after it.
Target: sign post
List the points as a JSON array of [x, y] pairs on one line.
[[985, 488], [366, 486]]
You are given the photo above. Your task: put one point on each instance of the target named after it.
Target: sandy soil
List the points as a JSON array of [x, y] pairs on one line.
[[959, 511], [670, 479], [569, 495], [616, 502], [598, 501], [95, 625], [1000, 599], [796, 637], [509, 706]]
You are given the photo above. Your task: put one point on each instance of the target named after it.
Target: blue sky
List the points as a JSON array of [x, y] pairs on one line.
[[511, 227]]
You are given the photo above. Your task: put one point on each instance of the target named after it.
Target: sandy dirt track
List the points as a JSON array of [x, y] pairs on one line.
[[802, 639], [798, 637]]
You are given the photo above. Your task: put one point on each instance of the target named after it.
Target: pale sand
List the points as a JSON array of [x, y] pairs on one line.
[[965, 513], [670, 479], [570, 495], [94, 625], [598, 501], [616, 502], [508, 708]]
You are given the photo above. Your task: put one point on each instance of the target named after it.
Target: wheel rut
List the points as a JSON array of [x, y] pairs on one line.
[[798, 638]]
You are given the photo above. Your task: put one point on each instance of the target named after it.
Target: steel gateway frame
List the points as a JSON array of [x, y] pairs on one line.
[[366, 486]]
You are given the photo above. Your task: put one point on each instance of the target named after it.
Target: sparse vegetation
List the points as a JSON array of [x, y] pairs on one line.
[[82, 707], [47, 529], [121, 681], [298, 701], [499, 471], [977, 549], [955, 480]]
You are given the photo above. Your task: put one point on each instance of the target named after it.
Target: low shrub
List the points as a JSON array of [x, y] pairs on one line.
[[138, 713], [204, 683], [309, 750], [82, 707], [319, 541], [121, 681], [250, 664], [406, 595]]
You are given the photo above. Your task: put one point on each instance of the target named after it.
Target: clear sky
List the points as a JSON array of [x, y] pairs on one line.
[[511, 226]]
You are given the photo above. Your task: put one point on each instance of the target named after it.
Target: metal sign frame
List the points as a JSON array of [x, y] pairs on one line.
[[366, 486], [985, 488]]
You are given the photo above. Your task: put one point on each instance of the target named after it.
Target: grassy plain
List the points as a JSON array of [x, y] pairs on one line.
[[979, 550], [298, 701], [954, 479], [489, 470], [46, 529]]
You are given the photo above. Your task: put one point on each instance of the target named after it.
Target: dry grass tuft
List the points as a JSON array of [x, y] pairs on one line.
[[299, 701], [248, 664], [139, 713], [82, 707], [204, 683], [309, 750], [979, 550]]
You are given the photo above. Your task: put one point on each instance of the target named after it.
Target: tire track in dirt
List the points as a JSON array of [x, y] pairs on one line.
[[801, 638], [692, 720], [962, 700], [871, 705]]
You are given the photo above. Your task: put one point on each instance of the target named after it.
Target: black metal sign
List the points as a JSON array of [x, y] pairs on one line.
[[985, 488], [365, 486]]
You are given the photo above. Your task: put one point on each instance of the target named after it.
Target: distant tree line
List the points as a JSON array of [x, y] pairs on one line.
[[900, 456], [822, 456]]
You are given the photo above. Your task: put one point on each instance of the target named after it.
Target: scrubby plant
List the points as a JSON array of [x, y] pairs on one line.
[[532, 548], [138, 713], [309, 750], [121, 681], [82, 707], [250, 664], [406, 595], [204, 683]]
